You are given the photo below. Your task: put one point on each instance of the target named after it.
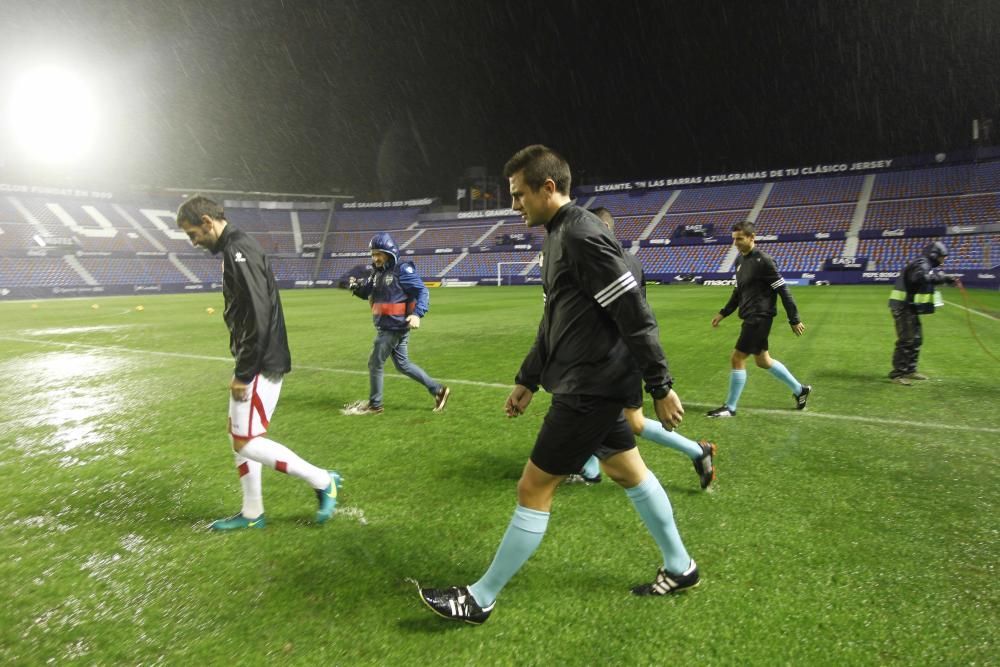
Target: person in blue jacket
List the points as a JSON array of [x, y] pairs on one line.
[[399, 299]]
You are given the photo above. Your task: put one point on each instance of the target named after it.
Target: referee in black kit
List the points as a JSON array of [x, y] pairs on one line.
[[758, 284], [596, 341]]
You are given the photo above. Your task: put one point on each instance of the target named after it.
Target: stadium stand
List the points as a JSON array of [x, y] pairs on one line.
[[431, 266], [936, 181], [127, 271], [811, 191], [973, 252], [387, 220], [293, 268], [722, 222], [717, 198], [333, 268], [629, 228], [358, 241], [517, 226], [986, 177], [973, 209], [449, 237], [207, 270], [313, 222], [37, 271], [912, 213], [682, 259], [476, 265], [805, 219], [16, 237], [629, 204], [800, 256], [50, 242]]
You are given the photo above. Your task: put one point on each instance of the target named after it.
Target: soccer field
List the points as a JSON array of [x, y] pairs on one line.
[[861, 531]]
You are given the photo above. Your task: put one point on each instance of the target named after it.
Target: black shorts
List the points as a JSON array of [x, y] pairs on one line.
[[753, 335], [577, 427]]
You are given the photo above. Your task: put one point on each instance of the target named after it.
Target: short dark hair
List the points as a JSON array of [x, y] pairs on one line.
[[539, 164], [197, 206], [746, 227], [605, 216]]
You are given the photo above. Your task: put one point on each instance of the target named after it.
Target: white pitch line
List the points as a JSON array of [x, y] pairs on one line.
[[115, 348], [474, 383], [855, 418], [974, 312], [348, 371], [203, 357]]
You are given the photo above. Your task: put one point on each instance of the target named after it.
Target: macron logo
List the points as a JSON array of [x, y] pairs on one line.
[[238, 257]]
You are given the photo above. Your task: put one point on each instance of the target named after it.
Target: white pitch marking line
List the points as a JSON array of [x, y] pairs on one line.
[[203, 357], [498, 385], [856, 418], [974, 312]]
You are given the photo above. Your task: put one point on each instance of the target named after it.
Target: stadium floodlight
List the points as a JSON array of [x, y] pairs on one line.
[[52, 115]]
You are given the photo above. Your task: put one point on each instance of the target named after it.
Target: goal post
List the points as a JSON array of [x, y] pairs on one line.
[[500, 270]]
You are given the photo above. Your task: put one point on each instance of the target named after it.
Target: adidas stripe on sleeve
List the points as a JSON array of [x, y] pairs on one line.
[[619, 286]]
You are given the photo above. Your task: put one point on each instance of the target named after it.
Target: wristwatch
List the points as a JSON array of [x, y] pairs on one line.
[[659, 392]]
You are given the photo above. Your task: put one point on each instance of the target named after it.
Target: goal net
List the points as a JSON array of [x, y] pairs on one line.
[[506, 270]]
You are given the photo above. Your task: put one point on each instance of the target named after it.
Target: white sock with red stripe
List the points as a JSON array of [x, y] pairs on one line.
[[282, 459], [253, 498]]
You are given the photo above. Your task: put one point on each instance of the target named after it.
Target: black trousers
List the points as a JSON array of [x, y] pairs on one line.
[[909, 337]]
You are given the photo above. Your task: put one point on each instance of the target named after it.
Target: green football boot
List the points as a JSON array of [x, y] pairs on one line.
[[238, 521], [328, 498]]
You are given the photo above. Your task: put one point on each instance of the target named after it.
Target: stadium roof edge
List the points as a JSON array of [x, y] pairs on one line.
[[245, 193]]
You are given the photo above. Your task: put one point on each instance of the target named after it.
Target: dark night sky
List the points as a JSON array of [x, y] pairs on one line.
[[395, 99]]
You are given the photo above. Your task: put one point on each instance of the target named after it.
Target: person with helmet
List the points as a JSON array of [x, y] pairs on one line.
[[399, 299], [913, 295]]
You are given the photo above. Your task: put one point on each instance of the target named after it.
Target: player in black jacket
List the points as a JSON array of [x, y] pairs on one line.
[[758, 284], [259, 344], [701, 453], [596, 340]]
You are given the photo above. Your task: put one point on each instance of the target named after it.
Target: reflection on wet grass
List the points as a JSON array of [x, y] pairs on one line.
[[59, 402], [72, 331]]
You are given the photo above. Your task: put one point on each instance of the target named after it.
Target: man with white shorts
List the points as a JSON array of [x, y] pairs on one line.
[[259, 344]]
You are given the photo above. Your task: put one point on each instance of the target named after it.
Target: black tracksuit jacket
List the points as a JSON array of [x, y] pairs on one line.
[[597, 336], [758, 284], [257, 337]]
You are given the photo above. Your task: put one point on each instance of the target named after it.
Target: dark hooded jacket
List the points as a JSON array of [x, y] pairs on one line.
[[395, 290], [257, 337], [915, 286], [597, 336]]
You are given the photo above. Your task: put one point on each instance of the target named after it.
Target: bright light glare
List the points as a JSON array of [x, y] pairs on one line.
[[53, 115]]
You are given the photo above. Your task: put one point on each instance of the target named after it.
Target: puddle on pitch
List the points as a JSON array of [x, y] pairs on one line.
[[73, 331], [56, 403]]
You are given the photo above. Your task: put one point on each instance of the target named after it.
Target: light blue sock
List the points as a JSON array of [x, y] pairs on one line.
[[737, 380], [524, 534], [592, 468], [779, 371], [651, 502], [653, 430]]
